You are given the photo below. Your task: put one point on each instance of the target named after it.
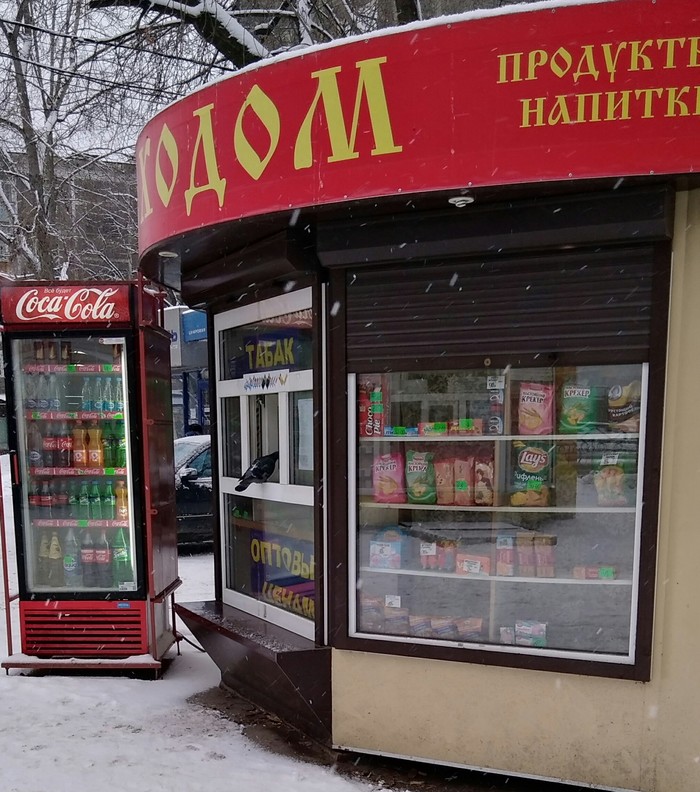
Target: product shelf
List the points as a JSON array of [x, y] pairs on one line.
[[497, 578]]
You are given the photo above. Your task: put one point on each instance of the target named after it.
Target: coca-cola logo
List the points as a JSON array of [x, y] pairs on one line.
[[83, 304]]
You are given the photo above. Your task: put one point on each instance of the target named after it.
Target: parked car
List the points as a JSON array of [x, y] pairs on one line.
[[193, 491]]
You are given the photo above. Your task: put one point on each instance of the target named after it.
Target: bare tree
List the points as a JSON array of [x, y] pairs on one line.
[[74, 93], [244, 32]]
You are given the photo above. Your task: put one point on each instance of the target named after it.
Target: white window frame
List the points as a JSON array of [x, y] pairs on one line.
[[282, 492]]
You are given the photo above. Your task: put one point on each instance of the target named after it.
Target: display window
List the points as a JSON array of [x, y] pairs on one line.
[[266, 442], [499, 509]]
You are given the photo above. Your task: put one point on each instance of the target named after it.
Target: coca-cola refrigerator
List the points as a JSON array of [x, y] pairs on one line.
[[87, 369]]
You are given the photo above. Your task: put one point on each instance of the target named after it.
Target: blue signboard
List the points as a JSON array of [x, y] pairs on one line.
[[194, 326]]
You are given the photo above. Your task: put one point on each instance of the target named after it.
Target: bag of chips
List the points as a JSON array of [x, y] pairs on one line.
[[420, 477], [579, 409], [535, 408], [387, 478]]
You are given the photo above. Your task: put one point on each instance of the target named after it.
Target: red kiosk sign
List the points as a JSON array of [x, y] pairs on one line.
[[57, 304], [577, 90]]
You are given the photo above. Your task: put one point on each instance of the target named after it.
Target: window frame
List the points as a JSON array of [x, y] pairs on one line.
[[282, 491]]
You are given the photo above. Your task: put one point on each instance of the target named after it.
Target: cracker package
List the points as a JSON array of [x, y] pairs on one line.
[[387, 478], [464, 480], [624, 407], [614, 477], [420, 477], [445, 481], [579, 409], [483, 480], [536, 409], [532, 470]]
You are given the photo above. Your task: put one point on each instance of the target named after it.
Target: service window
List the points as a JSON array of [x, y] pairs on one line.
[[500, 508], [265, 380]]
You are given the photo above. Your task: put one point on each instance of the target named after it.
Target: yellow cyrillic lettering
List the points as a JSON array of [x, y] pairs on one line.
[[266, 553], [561, 62], [589, 61], [296, 563], [250, 348], [559, 114], [694, 55], [637, 55], [535, 60], [309, 607], [670, 46], [289, 350], [610, 60], [255, 550], [537, 111], [304, 571], [623, 104], [581, 114], [312, 569], [648, 95], [279, 354], [370, 85], [287, 558], [205, 140], [264, 108], [674, 101], [277, 559], [268, 355], [145, 207], [503, 67], [167, 142]]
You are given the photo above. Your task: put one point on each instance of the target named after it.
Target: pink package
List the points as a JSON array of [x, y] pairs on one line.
[[387, 478], [536, 408]]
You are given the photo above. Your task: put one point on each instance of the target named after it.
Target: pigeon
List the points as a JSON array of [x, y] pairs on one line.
[[260, 470]]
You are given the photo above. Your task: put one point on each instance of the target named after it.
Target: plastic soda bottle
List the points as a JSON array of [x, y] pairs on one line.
[[54, 394], [72, 572], [30, 392], [109, 502], [42, 572], [95, 502], [56, 579], [97, 396], [84, 503], [73, 501], [121, 560], [86, 402], [122, 500], [107, 446], [42, 393], [119, 459], [87, 560], [95, 451], [80, 446], [103, 562], [108, 395]]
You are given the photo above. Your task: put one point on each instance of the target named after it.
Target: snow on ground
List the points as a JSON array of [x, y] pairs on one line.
[[107, 733]]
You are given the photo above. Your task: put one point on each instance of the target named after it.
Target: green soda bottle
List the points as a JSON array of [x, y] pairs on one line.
[[84, 502], [119, 453], [95, 502], [109, 502], [121, 560]]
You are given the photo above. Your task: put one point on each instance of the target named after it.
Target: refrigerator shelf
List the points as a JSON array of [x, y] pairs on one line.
[[72, 368], [46, 472], [58, 523], [41, 415]]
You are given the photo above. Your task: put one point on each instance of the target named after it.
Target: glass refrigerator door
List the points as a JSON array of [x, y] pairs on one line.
[[73, 438]]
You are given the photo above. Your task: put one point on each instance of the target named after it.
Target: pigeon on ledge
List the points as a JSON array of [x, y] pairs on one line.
[[260, 470]]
